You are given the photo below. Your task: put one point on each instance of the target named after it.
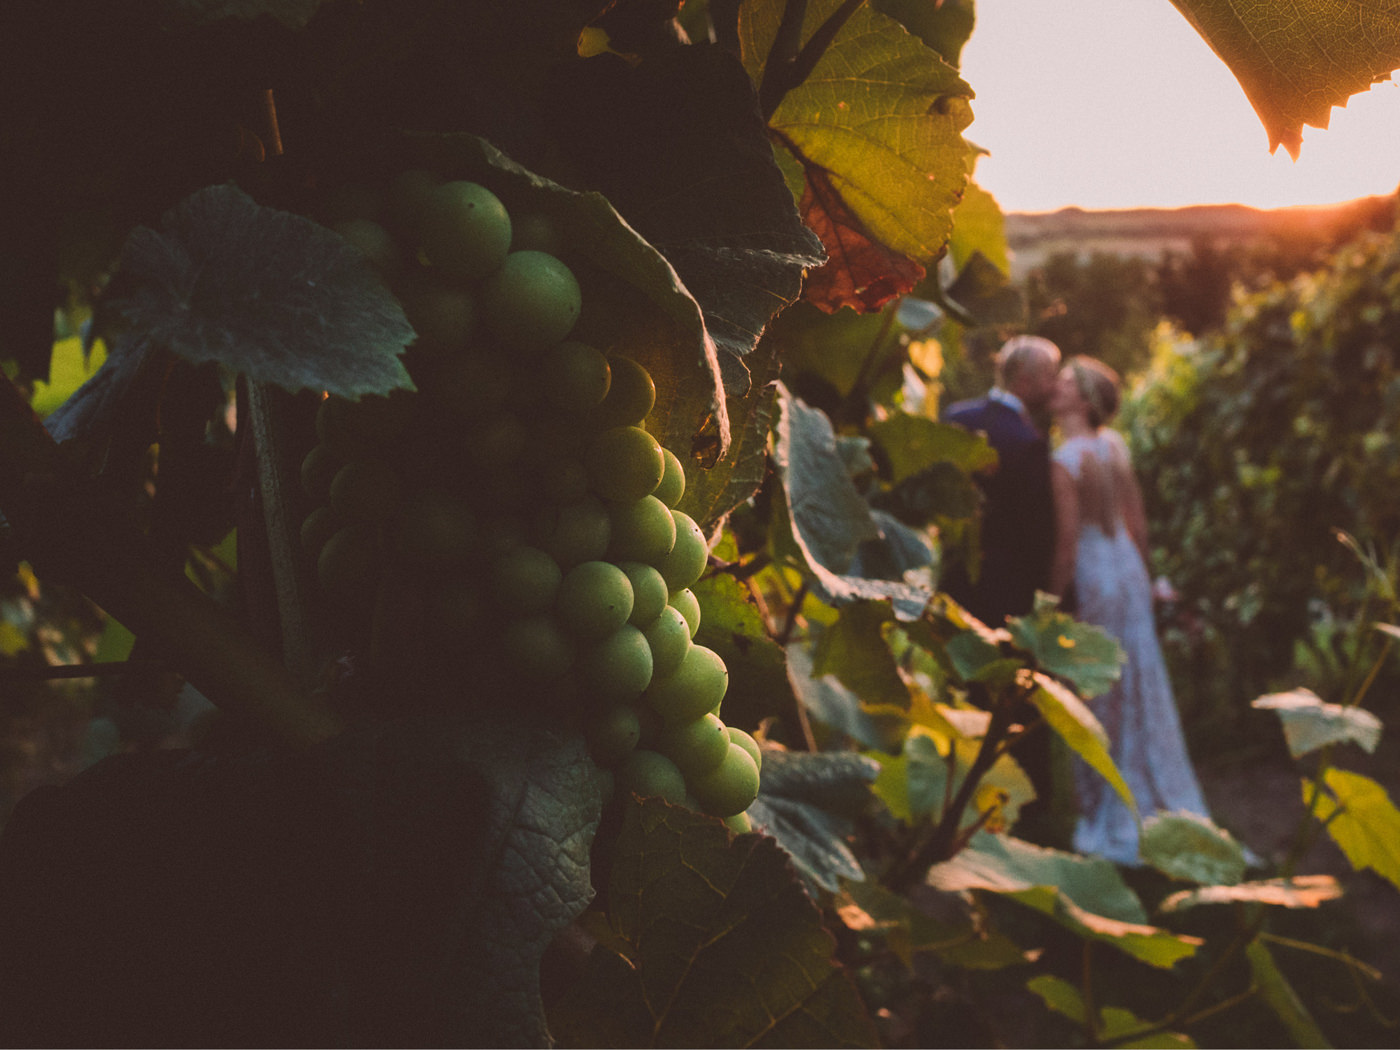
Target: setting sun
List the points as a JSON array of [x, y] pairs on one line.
[[1114, 104]]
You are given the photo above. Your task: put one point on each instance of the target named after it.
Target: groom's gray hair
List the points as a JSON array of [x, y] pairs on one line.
[[1021, 350]]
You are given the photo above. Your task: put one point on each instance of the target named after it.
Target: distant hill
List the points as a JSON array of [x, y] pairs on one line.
[[1034, 237]]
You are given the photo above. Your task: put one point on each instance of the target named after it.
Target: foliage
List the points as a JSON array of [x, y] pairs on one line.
[[769, 205], [1260, 441]]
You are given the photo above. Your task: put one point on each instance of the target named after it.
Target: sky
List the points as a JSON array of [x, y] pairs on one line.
[[1121, 104]]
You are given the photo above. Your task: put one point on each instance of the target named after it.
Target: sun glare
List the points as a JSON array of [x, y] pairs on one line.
[[1120, 104]]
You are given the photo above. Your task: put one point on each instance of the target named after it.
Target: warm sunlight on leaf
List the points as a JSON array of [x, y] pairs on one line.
[[1297, 60]]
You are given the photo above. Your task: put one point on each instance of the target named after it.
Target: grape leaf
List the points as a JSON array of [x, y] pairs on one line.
[[1361, 819], [266, 293], [854, 650], [944, 25], [721, 947], [1296, 61], [987, 294], [919, 783], [1302, 891], [807, 802], [829, 701], [731, 625], [1076, 725], [1309, 724], [676, 143], [1114, 1023], [71, 366], [877, 130], [979, 228], [394, 885], [823, 519], [1086, 895], [912, 444], [1080, 653], [967, 945], [1189, 846]]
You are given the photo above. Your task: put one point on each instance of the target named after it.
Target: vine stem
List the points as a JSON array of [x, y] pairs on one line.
[[74, 531], [790, 62]]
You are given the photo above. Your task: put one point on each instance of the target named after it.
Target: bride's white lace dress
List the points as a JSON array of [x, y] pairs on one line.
[[1139, 713]]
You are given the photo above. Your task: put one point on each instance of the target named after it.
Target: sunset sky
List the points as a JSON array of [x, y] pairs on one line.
[[1119, 103]]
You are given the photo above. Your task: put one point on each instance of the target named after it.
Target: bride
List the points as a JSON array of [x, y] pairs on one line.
[[1102, 549]]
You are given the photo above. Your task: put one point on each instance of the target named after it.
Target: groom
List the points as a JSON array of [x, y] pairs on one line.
[[1018, 515]]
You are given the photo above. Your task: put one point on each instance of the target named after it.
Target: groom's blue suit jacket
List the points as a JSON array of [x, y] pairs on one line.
[[1018, 515]]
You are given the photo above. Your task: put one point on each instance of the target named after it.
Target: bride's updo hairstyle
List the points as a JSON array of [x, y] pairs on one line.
[[1099, 385]]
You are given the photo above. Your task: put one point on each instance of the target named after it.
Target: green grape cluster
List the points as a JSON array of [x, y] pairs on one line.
[[522, 495]]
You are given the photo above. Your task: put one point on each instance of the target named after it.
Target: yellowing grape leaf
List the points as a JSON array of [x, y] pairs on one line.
[[1298, 59], [877, 129], [1361, 819]]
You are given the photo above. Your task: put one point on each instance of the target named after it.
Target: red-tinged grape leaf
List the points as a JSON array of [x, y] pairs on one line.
[[265, 293], [1297, 60], [1303, 891], [1086, 895], [1191, 847], [1362, 820], [860, 272], [877, 129], [1309, 723], [1286, 1004], [722, 947]]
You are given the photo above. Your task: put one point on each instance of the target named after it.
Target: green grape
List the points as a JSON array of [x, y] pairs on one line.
[[642, 530], [573, 532], [365, 490], [615, 734], [410, 199], [594, 600], [372, 241], [631, 395], [672, 486], [695, 687], [472, 385], [669, 638], [444, 318], [525, 580], [317, 470], [436, 531], [562, 480], [649, 595], [466, 230], [739, 823], [348, 565], [616, 669], [652, 775], [688, 605], [624, 464], [695, 747], [496, 442], [686, 562], [535, 231], [729, 787], [748, 743], [316, 529], [574, 377], [536, 648], [531, 301]]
